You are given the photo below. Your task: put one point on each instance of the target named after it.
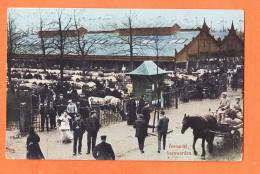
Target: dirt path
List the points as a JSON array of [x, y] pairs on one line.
[[125, 145]]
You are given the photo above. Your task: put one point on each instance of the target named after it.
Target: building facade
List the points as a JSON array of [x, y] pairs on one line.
[[176, 47]]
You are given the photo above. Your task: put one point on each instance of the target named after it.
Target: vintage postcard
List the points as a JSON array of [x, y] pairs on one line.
[[125, 84]]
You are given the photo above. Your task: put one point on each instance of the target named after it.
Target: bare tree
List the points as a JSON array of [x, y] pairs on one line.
[[14, 41], [129, 38], [85, 43], [154, 43], [45, 43], [60, 37]]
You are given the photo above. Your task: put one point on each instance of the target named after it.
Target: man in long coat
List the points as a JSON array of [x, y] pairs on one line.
[[78, 128], [92, 127], [162, 128], [141, 131], [131, 111], [141, 105], [61, 104], [44, 117], [84, 108], [52, 114], [104, 151], [146, 113], [234, 81]]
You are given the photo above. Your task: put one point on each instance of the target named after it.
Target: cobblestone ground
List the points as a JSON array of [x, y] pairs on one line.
[[125, 145]]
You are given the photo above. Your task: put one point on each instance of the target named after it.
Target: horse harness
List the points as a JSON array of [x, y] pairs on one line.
[[205, 125]]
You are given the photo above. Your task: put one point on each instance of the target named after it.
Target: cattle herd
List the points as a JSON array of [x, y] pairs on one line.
[[101, 89]]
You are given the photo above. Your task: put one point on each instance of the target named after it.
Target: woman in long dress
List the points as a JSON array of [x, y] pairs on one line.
[[32, 145], [66, 135]]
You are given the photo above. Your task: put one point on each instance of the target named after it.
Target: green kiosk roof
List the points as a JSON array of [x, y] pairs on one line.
[[147, 68]]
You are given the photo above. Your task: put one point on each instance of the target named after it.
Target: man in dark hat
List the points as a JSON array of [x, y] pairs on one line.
[[104, 151], [92, 127], [141, 105], [131, 110], [146, 112], [61, 104], [78, 128], [141, 131], [44, 117], [162, 129], [52, 111], [84, 107]]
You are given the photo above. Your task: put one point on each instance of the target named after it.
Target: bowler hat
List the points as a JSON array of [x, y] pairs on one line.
[[103, 137], [140, 116]]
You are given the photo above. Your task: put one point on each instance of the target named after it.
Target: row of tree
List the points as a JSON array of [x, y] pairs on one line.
[[61, 43]]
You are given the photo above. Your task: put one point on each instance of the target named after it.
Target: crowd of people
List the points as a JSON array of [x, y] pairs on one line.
[[61, 104], [207, 83]]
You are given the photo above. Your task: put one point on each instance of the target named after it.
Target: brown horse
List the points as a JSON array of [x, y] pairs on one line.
[[201, 127]]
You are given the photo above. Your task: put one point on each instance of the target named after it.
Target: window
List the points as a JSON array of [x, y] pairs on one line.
[[122, 42], [97, 41], [145, 42], [173, 41], [100, 41], [180, 41], [177, 41], [151, 42]]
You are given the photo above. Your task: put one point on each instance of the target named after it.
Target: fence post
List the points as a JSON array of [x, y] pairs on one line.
[[24, 121]]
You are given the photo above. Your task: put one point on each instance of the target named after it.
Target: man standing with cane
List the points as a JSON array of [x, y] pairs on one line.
[[162, 128]]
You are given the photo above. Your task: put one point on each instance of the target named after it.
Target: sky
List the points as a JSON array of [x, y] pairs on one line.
[[108, 19]]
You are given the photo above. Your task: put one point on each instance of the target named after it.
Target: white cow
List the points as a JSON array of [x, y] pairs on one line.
[[112, 100], [101, 101]]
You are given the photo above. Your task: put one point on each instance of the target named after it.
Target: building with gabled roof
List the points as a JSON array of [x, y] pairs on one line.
[[204, 46], [231, 45]]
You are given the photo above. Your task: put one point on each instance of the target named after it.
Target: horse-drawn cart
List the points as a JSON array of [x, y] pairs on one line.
[[227, 131]]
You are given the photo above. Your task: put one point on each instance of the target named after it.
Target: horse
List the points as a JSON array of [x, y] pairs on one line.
[[201, 129]]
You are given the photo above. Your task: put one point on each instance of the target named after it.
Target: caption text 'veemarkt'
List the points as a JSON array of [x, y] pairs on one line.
[[178, 150]]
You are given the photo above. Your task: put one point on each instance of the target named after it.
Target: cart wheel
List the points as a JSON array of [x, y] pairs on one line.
[[236, 138]]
